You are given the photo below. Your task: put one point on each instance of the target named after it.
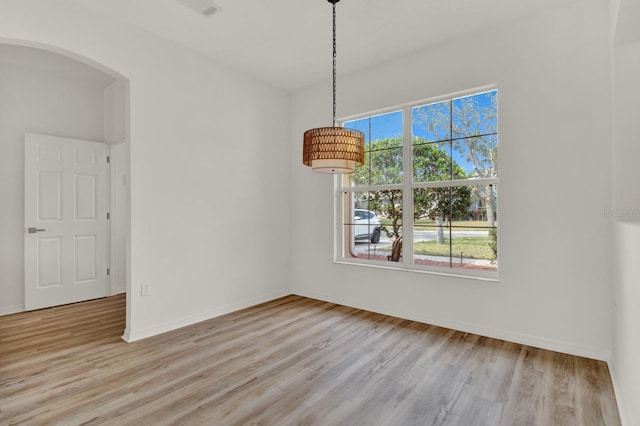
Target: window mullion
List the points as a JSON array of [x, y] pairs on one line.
[[407, 192], [459, 182]]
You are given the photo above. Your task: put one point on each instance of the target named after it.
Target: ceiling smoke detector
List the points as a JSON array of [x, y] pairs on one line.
[[203, 7]]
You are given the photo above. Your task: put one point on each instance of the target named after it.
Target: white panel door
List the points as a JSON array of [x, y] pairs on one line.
[[65, 220]]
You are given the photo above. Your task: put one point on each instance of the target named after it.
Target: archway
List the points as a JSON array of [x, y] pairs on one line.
[[37, 79]]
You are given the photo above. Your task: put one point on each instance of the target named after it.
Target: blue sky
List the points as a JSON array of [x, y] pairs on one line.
[[389, 125]]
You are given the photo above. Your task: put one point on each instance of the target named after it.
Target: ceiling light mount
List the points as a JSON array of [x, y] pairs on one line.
[[203, 7], [333, 149]]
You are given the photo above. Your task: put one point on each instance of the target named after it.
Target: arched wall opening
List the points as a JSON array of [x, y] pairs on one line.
[[48, 90]]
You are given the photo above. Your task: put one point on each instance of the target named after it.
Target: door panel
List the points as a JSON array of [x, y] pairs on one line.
[[85, 251], [65, 220], [86, 187], [49, 261], [49, 193]]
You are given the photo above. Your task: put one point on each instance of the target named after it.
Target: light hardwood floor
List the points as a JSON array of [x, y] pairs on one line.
[[292, 361]]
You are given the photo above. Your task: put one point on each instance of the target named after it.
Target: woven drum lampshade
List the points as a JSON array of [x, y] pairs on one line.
[[333, 149]]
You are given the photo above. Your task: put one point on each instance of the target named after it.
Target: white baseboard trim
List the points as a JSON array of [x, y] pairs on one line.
[[510, 336], [625, 419], [7, 310], [133, 335], [126, 336], [118, 290]]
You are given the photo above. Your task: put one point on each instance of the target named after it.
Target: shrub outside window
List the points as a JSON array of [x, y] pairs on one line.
[[426, 197]]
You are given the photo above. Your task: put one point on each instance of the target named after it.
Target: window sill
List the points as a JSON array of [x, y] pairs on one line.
[[487, 276]]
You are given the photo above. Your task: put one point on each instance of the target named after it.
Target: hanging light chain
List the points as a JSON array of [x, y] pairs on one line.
[[334, 64], [334, 149]]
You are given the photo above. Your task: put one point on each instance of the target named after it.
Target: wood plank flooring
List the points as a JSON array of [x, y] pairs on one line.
[[292, 361]]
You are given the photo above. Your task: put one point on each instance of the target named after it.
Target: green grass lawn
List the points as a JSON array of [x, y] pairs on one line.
[[470, 247]]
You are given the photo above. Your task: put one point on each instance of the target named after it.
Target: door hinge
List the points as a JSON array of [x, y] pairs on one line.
[[108, 271], [108, 159], [108, 215]]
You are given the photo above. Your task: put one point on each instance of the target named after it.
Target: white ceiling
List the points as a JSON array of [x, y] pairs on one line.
[[288, 42]]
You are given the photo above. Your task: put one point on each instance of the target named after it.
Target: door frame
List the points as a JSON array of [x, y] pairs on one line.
[[118, 206]]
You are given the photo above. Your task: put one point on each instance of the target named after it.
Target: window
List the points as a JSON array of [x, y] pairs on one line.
[[426, 197]]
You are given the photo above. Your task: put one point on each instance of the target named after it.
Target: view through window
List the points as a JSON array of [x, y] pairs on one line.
[[426, 197]]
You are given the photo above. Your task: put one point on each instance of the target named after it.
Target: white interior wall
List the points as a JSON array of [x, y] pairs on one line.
[[210, 168], [625, 364], [627, 130], [209, 179], [553, 74], [34, 101], [116, 108], [625, 360]]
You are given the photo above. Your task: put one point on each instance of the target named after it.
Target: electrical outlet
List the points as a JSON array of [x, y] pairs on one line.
[[145, 289]]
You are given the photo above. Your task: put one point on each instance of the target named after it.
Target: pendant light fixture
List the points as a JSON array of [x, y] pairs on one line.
[[333, 149]]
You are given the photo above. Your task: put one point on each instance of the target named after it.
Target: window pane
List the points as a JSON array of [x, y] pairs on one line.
[[431, 123], [476, 203], [456, 227], [379, 127], [380, 167], [431, 243], [386, 166], [383, 149], [432, 162], [484, 205], [361, 175], [381, 251], [361, 124], [441, 203], [453, 246], [473, 248], [476, 156], [386, 126], [475, 115], [373, 223], [360, 222]]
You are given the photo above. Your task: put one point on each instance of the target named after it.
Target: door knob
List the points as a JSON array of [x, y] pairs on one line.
[[34, 230]]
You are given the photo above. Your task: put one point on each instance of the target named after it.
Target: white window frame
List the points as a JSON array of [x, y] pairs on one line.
[[407, 186]]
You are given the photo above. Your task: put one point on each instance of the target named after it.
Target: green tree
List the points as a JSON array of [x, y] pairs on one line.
[[472, 124], [383, 165], [430, 163]]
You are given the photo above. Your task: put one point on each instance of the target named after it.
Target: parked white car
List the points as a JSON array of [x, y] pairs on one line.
[[366, 226]]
